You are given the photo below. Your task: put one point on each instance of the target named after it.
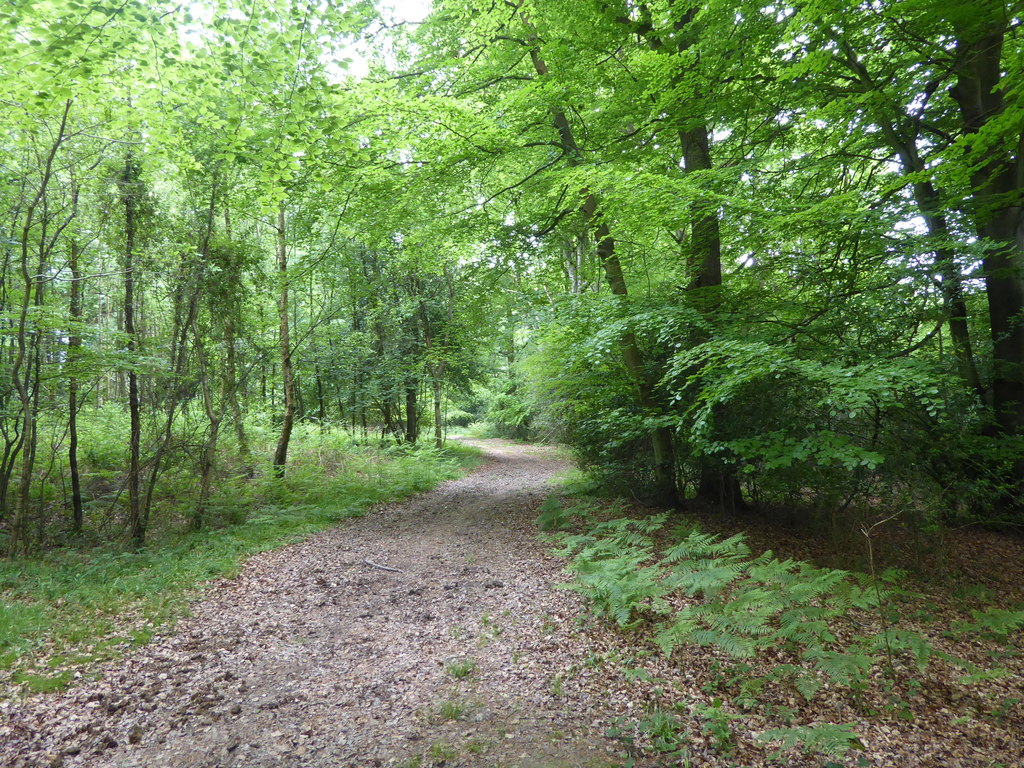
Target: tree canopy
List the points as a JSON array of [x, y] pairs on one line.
[[732, 253]]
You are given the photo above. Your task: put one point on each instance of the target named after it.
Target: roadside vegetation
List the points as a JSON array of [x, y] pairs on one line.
[[81, 602], [765, 654]]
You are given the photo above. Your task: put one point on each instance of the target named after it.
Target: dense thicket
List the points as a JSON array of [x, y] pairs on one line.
[[736, 252]]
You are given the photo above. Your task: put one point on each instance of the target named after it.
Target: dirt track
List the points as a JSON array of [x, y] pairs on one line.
[[314, 657]]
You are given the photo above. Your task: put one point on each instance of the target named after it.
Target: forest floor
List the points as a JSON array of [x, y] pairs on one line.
[[428, 633]]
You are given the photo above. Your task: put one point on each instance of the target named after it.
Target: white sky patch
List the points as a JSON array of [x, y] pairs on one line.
[[356, 56], [916, 226]]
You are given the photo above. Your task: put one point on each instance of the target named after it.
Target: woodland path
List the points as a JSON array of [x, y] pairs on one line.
[[311, 657]]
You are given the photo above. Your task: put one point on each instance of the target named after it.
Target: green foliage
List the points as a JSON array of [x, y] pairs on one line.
[[745, 605], [793, 425], [610, 569], [667, 734], [660, 729], [452, 709]]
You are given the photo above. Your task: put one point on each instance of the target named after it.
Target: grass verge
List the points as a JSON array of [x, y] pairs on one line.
[[64, 610]]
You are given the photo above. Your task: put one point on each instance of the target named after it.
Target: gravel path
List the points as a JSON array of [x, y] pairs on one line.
[[464, 656]]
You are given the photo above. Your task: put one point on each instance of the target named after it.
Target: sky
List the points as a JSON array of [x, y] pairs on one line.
[[395, 11]]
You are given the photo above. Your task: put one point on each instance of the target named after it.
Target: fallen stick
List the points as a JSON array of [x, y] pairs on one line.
[[382, 567]]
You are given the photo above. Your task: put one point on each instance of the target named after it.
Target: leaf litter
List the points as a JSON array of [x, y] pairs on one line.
[[432, 633]]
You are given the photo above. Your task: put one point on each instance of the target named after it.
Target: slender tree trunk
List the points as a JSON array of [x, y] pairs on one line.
[[74, 352], [231, 373], [281, 453], [27, 390], [231, 389], [321, 403], [438, 423], [214, 417], [952, 286], [904, 139], [136, 518], [665, 490], [186, 310]]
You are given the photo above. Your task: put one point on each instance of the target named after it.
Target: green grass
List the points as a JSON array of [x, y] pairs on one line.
[[72, 606], [459, 668], [451, 710]]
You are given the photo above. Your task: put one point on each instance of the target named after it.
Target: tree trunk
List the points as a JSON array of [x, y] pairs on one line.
[[214, 417], [27, 389], [231, 389], [904, 139], [665, 491], [412, 426], [74, 352], [281, 453], [718, 484], [136, 519], [438, 423], [997, 181]]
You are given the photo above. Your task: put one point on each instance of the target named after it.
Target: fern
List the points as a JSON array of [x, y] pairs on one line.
[[826, 738], [995, 623], [845, 668]]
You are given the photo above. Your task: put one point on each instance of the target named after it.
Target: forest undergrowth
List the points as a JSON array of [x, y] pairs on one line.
[[73, 605], [746, 642]]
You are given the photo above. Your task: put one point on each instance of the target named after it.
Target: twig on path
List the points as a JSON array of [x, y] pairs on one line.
[[382, 567]]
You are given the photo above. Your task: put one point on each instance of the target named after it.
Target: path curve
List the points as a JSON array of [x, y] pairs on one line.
[[311, 657]]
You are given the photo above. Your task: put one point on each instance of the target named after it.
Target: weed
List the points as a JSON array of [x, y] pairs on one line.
[[632, 674], [451, 710], [459, 668], [491, 630], [664, 729], [826, 738], [442, 751], [557, 686], [717, 723], [1004, 708], [45, 683]]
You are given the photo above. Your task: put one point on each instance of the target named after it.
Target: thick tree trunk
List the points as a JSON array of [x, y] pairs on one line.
[[997, 182], [718, 484], [281, 453]]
